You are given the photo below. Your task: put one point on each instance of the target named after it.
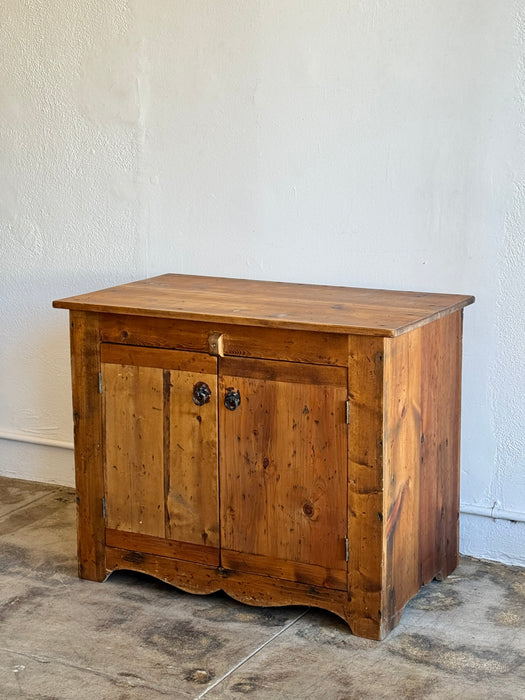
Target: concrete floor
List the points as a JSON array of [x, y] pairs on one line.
[[135, 637]]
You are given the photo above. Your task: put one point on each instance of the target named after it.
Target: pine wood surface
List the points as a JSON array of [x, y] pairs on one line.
[[283, 463], [266, 501], [160, 448], [248, 588], [273, 304], [402, 484], [185, 551], [192, 498], [365, 485], [286, 569], [440, 447], [89, 465], [134, 440], [239, 341]]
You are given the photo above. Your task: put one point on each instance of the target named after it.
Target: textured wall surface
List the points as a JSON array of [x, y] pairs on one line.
[[360, 143]]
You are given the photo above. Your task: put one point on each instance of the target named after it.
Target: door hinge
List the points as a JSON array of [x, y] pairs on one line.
[[104, 508], [100, 382], [347, 411], [347, 549]]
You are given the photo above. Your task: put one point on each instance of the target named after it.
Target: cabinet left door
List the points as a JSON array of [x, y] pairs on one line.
[[160, 452]]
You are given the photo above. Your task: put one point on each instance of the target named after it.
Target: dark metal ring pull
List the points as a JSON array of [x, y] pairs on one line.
[[201, 393], [232, 399]]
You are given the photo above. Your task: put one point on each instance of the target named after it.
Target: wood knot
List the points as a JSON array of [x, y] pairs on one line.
[[308, 509], [134, 557]]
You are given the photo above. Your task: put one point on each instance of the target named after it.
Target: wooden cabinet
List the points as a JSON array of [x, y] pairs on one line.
[[288, 444]]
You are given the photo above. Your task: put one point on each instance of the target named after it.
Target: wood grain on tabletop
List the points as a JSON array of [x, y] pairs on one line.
[[272, 304]]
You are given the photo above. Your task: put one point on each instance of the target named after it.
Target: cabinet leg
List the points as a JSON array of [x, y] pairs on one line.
[[89, 468]]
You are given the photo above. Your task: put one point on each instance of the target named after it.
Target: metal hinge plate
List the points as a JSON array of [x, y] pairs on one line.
[[104, 508], [347, 411], [100, 382], [347, 549]]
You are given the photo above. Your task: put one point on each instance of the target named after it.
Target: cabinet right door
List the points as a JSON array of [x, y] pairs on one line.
[[283, 470]]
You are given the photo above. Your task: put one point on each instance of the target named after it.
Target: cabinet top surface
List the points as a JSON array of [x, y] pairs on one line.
[[271, 304]]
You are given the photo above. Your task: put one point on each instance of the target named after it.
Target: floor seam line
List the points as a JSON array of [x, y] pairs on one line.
[[31, 503], [68, 664], [251, 655]]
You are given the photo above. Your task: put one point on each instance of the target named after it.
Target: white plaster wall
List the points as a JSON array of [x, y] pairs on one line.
[[70, 205], [362, 143]]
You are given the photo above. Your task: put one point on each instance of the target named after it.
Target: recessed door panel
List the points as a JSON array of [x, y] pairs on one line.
[[283, 469], [133, 441], [192, 494]]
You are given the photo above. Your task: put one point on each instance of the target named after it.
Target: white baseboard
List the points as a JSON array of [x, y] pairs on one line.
[[35, 440], [485, 533], [496, 513], [33, 461], [496, 539]]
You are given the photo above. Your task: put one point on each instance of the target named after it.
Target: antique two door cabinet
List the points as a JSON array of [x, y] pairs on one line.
[[288, 444]]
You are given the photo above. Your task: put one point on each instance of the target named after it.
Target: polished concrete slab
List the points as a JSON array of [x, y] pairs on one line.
[[135, 637]]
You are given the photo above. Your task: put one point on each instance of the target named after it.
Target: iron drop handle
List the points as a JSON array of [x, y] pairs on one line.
[[232, 399], [201, 393]]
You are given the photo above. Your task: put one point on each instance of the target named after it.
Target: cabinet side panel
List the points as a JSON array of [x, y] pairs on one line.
[[365, 485], [402, 454], [192, 490], [87, 410], [441, 416], [134, 428]]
